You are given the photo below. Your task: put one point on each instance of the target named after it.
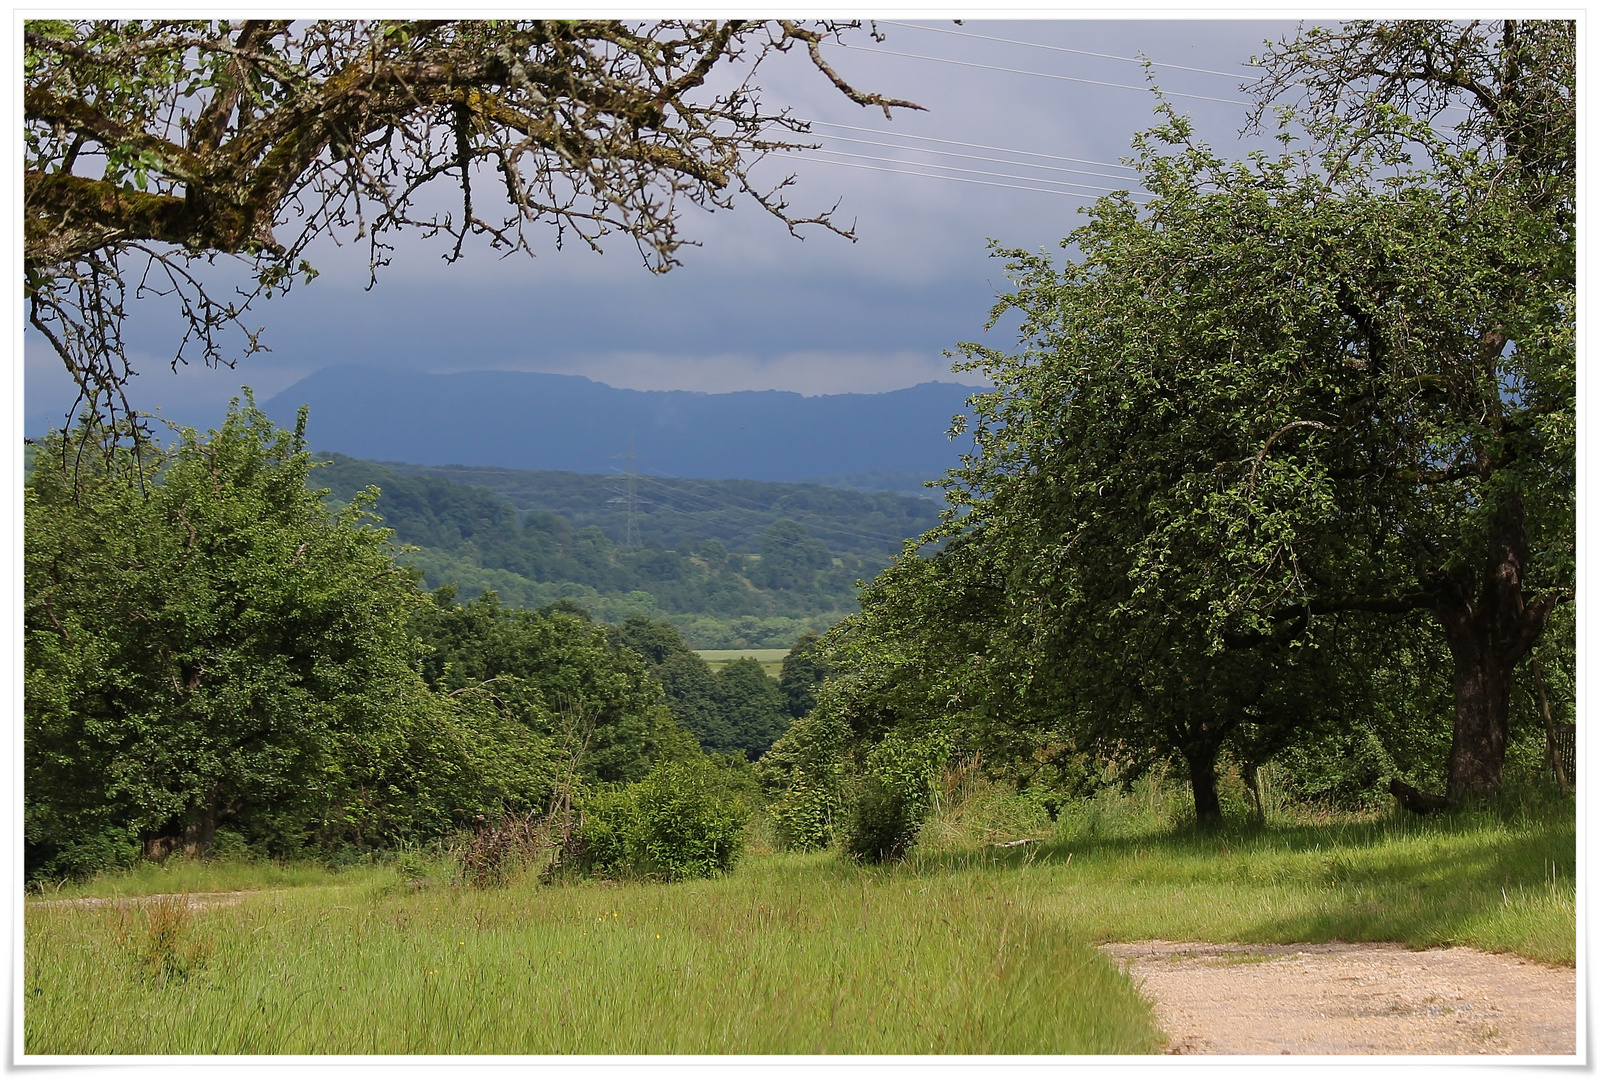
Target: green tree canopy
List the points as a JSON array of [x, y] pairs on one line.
[[205, 641], [791, 557], [1286, 395], [752, 708], [542, 664], [687, 680], [803, 672]]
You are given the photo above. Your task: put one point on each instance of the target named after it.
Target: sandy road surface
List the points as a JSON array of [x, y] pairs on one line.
[[1340, 998]]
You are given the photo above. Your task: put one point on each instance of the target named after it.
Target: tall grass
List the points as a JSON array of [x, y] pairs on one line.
[[795, 954], [1131, 865], [966, 948]]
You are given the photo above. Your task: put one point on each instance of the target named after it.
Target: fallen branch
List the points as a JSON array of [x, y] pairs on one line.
[[1419, 802], [1014, 843]]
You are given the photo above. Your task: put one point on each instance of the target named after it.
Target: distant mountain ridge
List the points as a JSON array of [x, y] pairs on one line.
[[527, 420]]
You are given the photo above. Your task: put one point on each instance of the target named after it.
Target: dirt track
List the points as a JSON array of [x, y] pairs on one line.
[[1351, 999], [194, 900]]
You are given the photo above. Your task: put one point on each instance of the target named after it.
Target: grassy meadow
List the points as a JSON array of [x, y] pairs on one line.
[[965, 948], [772, 660]]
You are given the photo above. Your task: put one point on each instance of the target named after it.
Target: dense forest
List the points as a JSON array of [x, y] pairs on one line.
[[731, 563]]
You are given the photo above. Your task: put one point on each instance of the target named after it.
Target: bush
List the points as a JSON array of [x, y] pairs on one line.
[[892, 796], [884, 820], [679, 822], [608, 825], [228, 844], [689, 826], [96, 853], [804, 774], [803, 817], [495, 851]]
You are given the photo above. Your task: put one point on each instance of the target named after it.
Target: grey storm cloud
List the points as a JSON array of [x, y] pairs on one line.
[[1025, 123]]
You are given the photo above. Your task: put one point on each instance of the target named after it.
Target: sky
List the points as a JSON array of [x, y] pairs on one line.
[[1042, 123]]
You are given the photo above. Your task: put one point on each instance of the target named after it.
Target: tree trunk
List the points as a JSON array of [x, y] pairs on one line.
[[1488, 634], [200, 828], [1482, 684], [1253, 787], [1203, 782], [1553, 755]]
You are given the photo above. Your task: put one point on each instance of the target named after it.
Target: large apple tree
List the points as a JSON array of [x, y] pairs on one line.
[[1330, 382]]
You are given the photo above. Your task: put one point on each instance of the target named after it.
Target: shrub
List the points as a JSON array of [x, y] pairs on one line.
[[804, 775], [884, 820], [495, 851], [892, 796], [228, 844], [803, 817], [679, 822], [608, 826], [689, 826], [97, 853]]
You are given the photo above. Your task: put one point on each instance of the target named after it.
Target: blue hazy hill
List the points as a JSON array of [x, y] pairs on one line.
[[524, 420]]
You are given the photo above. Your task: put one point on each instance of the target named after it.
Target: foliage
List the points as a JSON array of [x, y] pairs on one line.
[[791, 557], [752, 709], [166, 142], [678, 822], [890, 796], [803, 672], [710, 519], [567, 544], [204, 640], [536, 664], [1286, 400], [803, 774], [688, 682], [208, 643], [448, 761], [56, 855], [735, 710]]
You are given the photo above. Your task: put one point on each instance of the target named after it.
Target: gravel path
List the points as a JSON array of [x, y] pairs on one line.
[[194, 900], [1340, 998]]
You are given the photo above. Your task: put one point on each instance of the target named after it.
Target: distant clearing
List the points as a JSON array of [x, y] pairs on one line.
[[772, 660]]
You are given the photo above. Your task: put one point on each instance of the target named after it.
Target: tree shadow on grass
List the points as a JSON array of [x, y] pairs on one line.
[[1424, 882]]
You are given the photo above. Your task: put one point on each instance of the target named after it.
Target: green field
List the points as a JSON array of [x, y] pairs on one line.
[[772, 660], [964, 949]]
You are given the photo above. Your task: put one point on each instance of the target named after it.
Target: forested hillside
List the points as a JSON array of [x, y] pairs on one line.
[[732, 564]]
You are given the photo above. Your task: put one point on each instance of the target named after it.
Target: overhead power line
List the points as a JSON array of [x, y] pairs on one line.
[[1060, 48], [969, 157], [975, 172], [970, 146], [957, 179], [1085, 52], [1036, 74]]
